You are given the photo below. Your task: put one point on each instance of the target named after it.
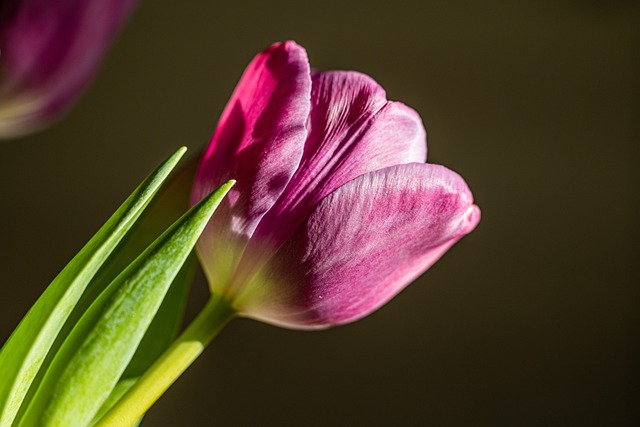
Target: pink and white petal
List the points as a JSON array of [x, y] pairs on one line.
[[362, 245], [354, 130], [259, 142]]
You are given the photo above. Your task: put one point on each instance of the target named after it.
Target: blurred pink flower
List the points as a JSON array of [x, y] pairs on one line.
[[335, 210], [49, 50]]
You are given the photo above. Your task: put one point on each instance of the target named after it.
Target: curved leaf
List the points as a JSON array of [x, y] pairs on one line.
[[92, 359], [26, 349]]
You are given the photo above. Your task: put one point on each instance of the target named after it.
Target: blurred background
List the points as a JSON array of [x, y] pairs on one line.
[[530, 320]]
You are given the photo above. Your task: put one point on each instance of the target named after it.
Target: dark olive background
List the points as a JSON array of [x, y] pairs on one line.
[[528, 321]]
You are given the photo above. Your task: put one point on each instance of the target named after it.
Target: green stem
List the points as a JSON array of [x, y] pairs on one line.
[[173, 362]]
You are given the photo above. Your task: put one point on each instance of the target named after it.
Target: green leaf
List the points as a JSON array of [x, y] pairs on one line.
[[167, 206], [161, 332], [170, 203], [165, 324], [22, 355], [159, 336], [94, 356]]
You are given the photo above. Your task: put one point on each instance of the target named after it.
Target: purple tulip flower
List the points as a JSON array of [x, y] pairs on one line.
[[49, 50], [335, 210]]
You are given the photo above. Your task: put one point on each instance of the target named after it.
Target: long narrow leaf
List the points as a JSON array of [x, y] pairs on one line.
[[92, 359], [167, 207], [156, 340], [23, 353], [171, 202]]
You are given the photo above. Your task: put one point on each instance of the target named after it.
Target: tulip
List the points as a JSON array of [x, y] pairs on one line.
[[335, 210], [49, 49]]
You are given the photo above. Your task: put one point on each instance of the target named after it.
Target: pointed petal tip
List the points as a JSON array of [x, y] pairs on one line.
[[291, 44], [288, 46]]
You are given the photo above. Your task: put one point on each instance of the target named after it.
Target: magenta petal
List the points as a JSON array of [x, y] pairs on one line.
[[259, 142], [361, 246], [50, 49], [354, 130]]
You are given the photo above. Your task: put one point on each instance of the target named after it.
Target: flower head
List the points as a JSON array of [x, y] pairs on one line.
[[48, 53], [335, 210]]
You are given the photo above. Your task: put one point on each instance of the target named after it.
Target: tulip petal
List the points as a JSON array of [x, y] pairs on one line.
[[259, 142], [354, 130], [50, 49], [361, 246]]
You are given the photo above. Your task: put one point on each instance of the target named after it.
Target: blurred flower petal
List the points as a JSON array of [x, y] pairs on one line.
[[49, 51]]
